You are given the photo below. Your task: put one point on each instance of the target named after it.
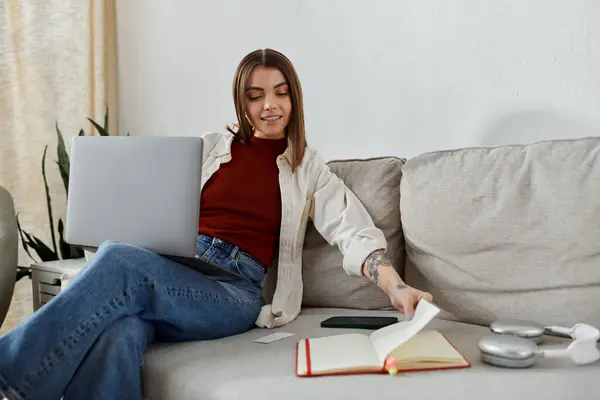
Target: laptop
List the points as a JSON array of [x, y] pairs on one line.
[[143, 191], [137, 190]]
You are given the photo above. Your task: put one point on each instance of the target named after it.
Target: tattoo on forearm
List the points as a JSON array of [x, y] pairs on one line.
[[375, 260], [400, 286]]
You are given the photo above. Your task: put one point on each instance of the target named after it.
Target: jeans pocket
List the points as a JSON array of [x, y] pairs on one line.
[[202, 247], [250, 268]]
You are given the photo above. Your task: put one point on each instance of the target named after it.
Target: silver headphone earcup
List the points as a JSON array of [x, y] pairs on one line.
[[507, 351], [522, 328]]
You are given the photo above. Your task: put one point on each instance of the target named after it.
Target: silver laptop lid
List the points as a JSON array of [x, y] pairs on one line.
[[137, 190]]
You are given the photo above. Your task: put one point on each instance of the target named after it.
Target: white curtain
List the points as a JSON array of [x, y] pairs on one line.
[[57, 66]]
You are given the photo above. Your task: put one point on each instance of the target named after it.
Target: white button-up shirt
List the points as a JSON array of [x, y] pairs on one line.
[[312, 191]]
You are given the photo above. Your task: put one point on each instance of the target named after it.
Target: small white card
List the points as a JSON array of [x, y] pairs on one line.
[[273, 337]]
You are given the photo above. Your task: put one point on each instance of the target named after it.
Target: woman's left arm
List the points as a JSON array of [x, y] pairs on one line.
[[341, 219]]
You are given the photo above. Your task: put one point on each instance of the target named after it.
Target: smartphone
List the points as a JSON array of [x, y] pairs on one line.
[[358, 322]]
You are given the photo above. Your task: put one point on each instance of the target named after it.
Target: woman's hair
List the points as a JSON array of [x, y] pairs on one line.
[[295, 129]]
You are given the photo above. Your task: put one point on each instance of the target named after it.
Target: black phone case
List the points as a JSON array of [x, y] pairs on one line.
[[358, 322]]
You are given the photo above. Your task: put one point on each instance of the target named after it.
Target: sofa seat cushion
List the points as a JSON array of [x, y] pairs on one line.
[[375, 182], [507, 232], [236, 367]]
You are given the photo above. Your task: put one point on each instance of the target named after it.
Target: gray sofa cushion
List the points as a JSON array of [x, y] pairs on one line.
[[376, 184], [512, 231], [236, 367]]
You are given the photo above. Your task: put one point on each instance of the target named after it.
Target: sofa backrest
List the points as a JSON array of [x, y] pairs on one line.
[[375, 182], [507, 232]]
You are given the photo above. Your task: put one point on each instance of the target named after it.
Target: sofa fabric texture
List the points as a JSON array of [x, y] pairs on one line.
[[238, 368], [507, 232], [375, 182]]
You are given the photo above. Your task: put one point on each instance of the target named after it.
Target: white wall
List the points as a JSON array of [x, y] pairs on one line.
[[379, 77]]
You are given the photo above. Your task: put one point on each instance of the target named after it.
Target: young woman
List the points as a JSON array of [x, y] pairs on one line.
[[261, 184]]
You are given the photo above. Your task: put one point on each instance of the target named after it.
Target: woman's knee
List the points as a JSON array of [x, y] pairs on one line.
[[115, 254], [111, 248]]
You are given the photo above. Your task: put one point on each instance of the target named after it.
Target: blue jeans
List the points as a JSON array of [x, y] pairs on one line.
[[89, 341]]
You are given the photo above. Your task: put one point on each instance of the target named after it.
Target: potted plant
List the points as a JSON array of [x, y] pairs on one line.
[[58, 249]]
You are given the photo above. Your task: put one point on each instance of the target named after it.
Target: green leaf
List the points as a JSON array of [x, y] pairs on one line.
[[81, 132], [45, 253], [48, 201], [64, 173], [65, 251], [106, 119], [100, 129], [23, 241], [68, 251], [63, 160]]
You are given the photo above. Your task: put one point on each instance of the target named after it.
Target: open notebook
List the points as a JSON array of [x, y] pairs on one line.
[[356, 353]]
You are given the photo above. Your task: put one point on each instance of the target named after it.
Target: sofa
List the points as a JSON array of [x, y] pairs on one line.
[[490, 232], [8, 251]]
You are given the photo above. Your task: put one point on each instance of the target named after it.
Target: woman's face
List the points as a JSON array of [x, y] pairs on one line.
[[268, 102]]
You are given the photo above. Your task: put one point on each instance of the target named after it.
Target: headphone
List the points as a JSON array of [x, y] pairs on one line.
[[515, 344]]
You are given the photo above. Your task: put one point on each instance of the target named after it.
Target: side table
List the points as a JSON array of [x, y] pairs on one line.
[[50, 277]]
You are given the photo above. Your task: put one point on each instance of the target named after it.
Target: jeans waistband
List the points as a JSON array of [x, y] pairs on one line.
[[228, 247], [220, 243]]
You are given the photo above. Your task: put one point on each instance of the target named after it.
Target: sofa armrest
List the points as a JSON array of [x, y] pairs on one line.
[[8, 251]]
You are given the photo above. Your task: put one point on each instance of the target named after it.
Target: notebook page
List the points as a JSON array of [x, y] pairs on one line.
[[388, 338], [342, 352], [430, 346]]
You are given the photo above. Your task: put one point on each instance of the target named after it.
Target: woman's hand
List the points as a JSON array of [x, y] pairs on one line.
[[405, 298], [378, 268]]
